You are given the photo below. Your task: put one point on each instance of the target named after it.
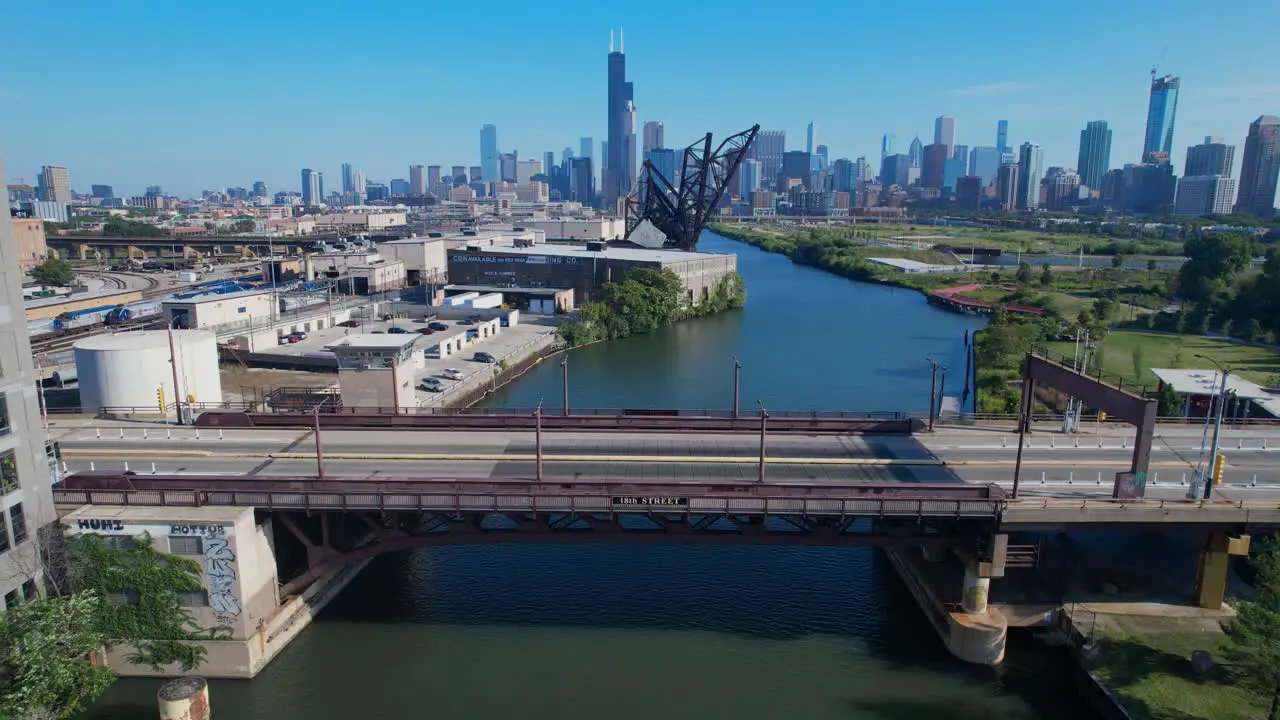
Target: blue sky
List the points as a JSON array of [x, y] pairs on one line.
[[206, 95]]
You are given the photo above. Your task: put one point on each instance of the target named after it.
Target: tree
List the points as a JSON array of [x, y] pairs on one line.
[[1023, 276], [1151, 267], [1117, 261], [54, 271], [1046, 275], [1102, 309], [1212, 261], [1255, 634], [243, 225], [1139, 363], [46, 667]]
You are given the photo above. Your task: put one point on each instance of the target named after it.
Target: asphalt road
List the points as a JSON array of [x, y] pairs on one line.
[[949, 456]]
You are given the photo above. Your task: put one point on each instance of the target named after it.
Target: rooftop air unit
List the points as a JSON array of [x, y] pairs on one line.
[[596, 246]]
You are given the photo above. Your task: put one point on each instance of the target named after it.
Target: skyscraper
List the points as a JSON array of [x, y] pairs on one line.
[[1095, 153], [474, 173], [507, 166], [916, 152], [1007, 186], [1002, 136], [961, 153], [811, 137], [55, 184], [1030, 170], [347, 180], [433, 178], [1204, 195], [458, 175], [887, 142], [417, 181], [944, 132], [357, 182], [1161, 111], [548, 162], [102, 191], [311, 191], [842, 176], [985, 163], [653, 131], [933, 165], [768, 149], [1212, 157], [1061, 188], [582, 180], [489, 153], [585, 148], [748, 178], [25, 467], [1260, 167], [619, 173]]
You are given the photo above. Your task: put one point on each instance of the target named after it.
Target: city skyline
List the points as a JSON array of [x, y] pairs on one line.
[[1043, 101]]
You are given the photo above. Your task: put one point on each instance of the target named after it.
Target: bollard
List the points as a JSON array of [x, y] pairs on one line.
[[1099, 477], [1004, 441], [64, 466], [1264, 443], [1042, 477], [1071, 478], [184, 699], [219, 433], [1099, 441], [197, 433], [1255, 480], [1184, 479], [98, 432], [1077, 441], [126, 466], [1155, 478], [153, 468], [167, 434], [1051, 445], [91, 468], [144, 433], [121, 433], [1240, 445]]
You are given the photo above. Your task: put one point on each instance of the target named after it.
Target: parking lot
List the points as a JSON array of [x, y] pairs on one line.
[[510, 345]]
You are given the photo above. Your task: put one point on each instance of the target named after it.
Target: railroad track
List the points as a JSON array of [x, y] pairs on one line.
[[67, 338]]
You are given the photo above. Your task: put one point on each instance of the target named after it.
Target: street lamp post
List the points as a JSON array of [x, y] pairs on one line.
[[763, 417], [737, 372], [1220, 410], [537, 443], [564, 382], [933, 389], [315, 417]]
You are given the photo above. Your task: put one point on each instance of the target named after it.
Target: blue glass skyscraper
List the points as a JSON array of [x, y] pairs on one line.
[[1161, 111], [489, 170], [1095, 153]]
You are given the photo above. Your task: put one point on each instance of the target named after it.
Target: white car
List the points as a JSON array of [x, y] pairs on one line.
[[451, 374], [431, 385]]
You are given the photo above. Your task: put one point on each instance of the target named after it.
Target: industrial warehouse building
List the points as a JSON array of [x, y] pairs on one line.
[[583, 269]]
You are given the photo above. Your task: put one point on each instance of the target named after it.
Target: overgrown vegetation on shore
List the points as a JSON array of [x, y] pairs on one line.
[[644, 300]]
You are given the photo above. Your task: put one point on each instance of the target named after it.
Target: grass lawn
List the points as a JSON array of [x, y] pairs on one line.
[[1258, 364], [1024, 240], [1151, 674]]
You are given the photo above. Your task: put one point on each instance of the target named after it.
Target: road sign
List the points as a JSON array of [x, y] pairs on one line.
[[649, 501]]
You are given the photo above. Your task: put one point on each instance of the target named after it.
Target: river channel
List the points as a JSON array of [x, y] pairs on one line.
[[621, 632]]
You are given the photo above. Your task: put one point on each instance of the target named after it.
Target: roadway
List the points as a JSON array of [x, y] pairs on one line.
[[1054, 465]]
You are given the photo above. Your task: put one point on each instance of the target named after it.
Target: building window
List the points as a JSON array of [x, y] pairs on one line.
[[19, 522], [194, 598], [8, 472], [4, 534], [119, 542], [11, 600], [4, 415], [29, 591], [185, 545], [124, 597]]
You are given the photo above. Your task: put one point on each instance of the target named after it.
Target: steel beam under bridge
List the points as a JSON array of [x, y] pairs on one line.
[[579, 420]]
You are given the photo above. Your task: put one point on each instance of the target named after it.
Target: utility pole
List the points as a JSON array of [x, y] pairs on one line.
[[315, 416], [177, 392], [1217, 430]]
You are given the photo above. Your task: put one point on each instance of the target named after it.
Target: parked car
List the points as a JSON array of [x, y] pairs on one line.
[[426, 331], [467, 322], [350, 323], [504, 322], [431, 385], [299, 334], [451, 373], [472, 334], [398, 331], [388, 317], [439, 326], [484, 357]]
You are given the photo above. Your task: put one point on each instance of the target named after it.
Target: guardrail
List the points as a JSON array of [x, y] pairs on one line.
[[952, 501]]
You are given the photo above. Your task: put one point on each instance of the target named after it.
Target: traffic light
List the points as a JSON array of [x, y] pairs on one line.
[[1219, 464], [160, 397], [1102, 416]]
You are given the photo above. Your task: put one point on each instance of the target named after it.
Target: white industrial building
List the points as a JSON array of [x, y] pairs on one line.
[[360, 221], [378, 370], [579, 229], [133, 369]]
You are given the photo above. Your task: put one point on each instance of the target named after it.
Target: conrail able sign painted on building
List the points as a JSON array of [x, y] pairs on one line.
[[656, 501]]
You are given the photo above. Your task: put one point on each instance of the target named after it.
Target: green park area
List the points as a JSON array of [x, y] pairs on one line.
[[1064, 239], [1130, 355]]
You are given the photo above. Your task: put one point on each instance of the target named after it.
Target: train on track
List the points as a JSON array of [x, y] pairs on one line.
[[88, 320]]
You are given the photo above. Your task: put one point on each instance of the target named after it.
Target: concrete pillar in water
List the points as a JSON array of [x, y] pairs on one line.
[[934, 553], [976, 589], [184, 699]]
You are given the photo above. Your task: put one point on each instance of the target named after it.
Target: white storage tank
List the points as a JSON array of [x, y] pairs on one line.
[[125, 369]]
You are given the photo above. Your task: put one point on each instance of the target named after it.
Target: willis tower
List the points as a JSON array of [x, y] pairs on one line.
[[619, 169]]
